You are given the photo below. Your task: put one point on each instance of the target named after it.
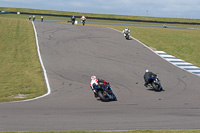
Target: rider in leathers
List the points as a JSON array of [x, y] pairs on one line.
[[95, 82], [73, 19], [147, 77], [126, 31], [83, 18]]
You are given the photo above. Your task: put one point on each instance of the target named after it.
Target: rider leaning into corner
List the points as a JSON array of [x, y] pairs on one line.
[[95, 82], [148, 74], [126, 31]]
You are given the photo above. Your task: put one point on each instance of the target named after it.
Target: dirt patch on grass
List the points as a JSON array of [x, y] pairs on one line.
[[152, 48], [20, 96]]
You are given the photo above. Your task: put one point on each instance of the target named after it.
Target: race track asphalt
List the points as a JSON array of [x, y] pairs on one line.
[[73, 53]]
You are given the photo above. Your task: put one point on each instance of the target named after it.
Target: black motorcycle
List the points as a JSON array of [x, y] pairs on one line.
[[105, 93], [155, 84], [73, 19]]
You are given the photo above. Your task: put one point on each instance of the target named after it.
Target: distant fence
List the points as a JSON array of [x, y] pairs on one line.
[[129, 20]]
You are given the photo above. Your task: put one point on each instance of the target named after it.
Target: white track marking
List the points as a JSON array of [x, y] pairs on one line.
[[180, 63]]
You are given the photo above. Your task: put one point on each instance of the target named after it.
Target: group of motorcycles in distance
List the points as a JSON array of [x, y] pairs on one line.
[[103, 91], [73, 20]]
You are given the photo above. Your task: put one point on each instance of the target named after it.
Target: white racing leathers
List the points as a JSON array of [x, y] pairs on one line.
[[92, 83], [126, 31], [83, 18]]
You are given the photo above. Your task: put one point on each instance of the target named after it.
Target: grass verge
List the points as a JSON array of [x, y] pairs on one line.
[[21, 73]]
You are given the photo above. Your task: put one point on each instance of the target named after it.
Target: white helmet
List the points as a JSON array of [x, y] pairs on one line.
[[147, 71], [93, 77]]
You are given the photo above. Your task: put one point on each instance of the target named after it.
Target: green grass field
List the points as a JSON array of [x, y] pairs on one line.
[[20, 73]]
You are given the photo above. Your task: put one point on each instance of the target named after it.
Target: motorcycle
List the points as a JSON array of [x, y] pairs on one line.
[[155, 84], [105, 93], [73, 21], [126, 35], [164, 26], [83, 22]]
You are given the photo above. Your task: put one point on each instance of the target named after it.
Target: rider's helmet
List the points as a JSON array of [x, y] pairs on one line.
[[93, 77], [147, 71], [127, 30], [83, 17]]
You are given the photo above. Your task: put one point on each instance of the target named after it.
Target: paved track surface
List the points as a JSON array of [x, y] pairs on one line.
[[71, 54]]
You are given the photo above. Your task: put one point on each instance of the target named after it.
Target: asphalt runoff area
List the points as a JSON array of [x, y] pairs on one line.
[[73, 53]]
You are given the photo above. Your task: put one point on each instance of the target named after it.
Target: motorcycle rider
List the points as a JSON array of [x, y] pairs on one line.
[[73, 19], [148, 74], [95, 82], [83, 18], [126, 31]]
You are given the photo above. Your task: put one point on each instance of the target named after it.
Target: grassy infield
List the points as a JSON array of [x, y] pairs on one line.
[[21, 72]]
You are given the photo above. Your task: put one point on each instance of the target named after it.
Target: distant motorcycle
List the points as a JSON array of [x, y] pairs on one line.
[[73, 19], [126, 35], [155, 84], [83, 22], [164, 26], [105, 93]]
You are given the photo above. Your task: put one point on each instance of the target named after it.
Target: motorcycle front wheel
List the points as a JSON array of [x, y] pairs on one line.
[[156, 87], [102, 97]]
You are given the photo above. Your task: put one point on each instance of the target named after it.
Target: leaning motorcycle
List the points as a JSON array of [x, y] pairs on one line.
[[105, 93], [126, 35], [155, 84]]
